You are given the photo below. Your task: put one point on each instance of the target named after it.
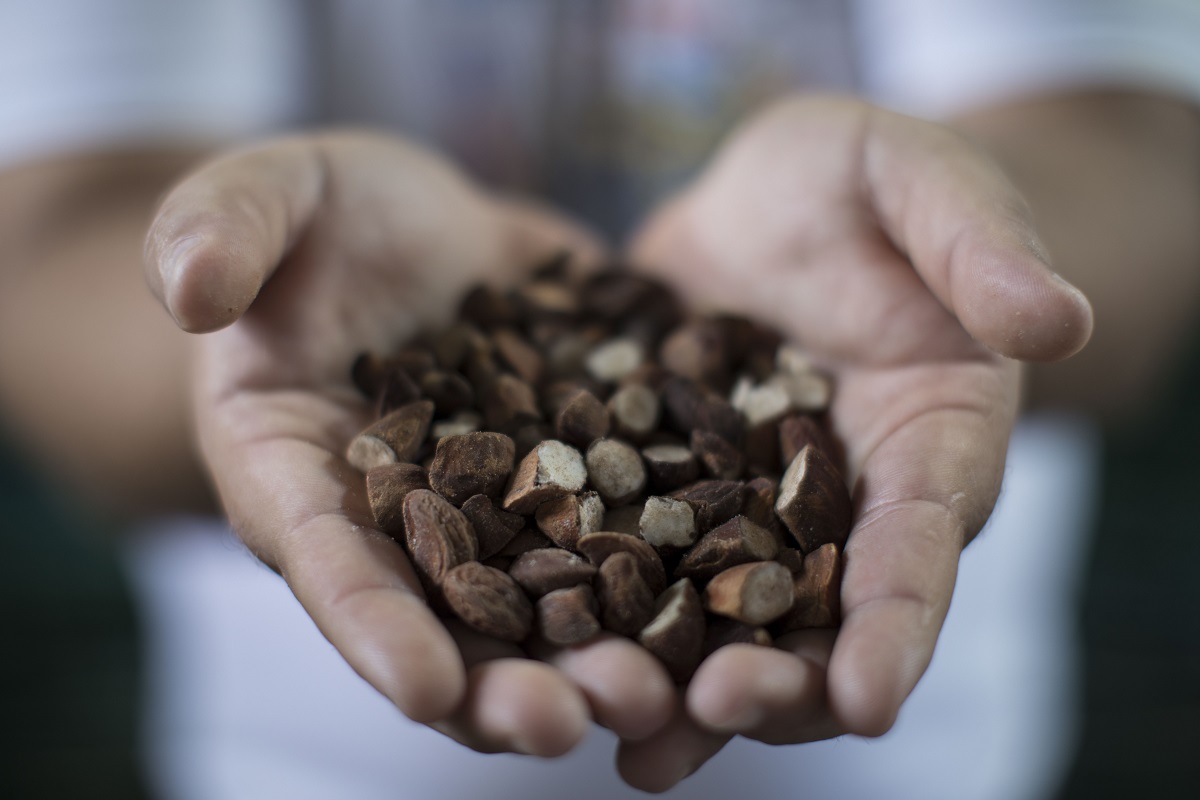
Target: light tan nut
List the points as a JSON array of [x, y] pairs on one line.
[[635, 410], [626, 602], [612, 360], [582, 420], [763, 403], [437, 535], [471, 464], [394, 438], [716, 502], [668, 523], [387, 486], [720, 459], [602, 545], [735, 542], [547, 569], [565, 519], [755, 593], [817, 589], [493, 528], [813, 501], [676, 633], [567, 617], [669, 466], [616, 471], [489, 601], [723, 631], [552, 469]]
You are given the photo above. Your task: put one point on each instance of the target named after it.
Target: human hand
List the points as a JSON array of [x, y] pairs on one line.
[[293, 257], [908, 266]]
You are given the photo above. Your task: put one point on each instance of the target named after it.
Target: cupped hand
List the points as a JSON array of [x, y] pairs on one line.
[[293, 257], [902, 259]]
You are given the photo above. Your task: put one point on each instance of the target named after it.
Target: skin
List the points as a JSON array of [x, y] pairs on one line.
[[293, 256]]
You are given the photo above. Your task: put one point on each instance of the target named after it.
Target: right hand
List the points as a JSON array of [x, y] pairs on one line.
[[292, 258]]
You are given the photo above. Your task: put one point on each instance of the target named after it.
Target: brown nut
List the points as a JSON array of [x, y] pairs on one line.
[[565, 519], [394, 438], [489, 601], [567, 617], [541, 571], [582, 420], [471, 464], [813, 501], [755, 593], [676, 633], [634, 409], [552, 469], [669, 466], [817, 589], [737, 541], [716, 502], [720, 459], [668, 523], [600, 546], [438, 536], [494, 528], [387, 486], [626, 602]]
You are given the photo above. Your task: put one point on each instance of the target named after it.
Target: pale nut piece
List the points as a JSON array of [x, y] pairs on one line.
[[387, 486], [615, 470], [552, 469], [567, 617], [808, 391], [763, 403], [668, 523], [813, 501], [602, 545], [437, 535], [565, 519], [396, 437], [471, 464], [489, 601], [634, 410], [457, 425], [612, 360], [541, 571], [756, 593], [676, 633], [735, 542], [626, 602]]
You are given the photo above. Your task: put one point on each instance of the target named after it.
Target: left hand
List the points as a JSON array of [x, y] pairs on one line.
[[903, 260]]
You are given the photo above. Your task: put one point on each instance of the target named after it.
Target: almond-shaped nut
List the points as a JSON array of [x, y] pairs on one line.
[[669, 466], [612, 360], [489, 601], [509, 402], [541, 571], [567, 617], [720, 459], [493, 528], [676, 633], [565, 519], [817, 589], [716, 502], [394, 438], [526, 539], [635, 410], [626, 602], [723, 631], [438, 536], [756, 593], [552, 469], [582, 420], [797, 431], [813, 501], [387, 486], [471, 464], [668, 523], [615, 470], [602, 545], [735, 542], [520, 356]]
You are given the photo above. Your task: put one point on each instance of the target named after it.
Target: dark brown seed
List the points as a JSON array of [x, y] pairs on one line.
[[669, 466], [548, 300], [755, 593], [738, 541], [813, 501], [552, 469], [449, 391], [470, 464], [626, 602], [520, 356], [565, 519], [582, 420], [493, 528], [600, 546], [387, 486], [454, 344], [509, 403], [396, 389], [715, 502], [676, 633], [438, 536], [567, 617], [489, 601], [720, 459], [817, 589], [487, 308], [396, 437], [797, 431], [544, 570]]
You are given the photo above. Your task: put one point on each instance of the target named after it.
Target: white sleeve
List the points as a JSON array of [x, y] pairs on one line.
[[88, 74], [936, 58]]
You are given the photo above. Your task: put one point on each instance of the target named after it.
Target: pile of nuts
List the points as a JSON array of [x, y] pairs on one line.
[[577, 455]]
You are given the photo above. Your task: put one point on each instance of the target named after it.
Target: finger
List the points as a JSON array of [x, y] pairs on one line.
[[670, 755], [772, 695], [970, 236], [629, 691], [931, 458], [520, 706], [219, 233]]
